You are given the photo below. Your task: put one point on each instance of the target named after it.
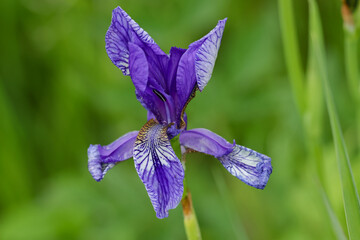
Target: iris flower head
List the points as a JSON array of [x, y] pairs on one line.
[[164, 85]]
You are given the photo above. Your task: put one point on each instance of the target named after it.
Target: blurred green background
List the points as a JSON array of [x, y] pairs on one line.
[[59, 92]]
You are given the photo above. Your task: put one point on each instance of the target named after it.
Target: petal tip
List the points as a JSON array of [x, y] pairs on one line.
[[251, 167], [162, 215], [223, 21], [94, 162], [265, 170], [206, 55]]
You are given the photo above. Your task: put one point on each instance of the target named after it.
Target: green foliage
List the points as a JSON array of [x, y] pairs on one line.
[[350, 194]]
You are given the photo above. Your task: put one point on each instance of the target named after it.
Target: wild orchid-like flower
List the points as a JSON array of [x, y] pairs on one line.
[[164, 85]]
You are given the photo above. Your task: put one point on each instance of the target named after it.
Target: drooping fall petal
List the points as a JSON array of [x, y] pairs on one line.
[[103, 158], [158, 167], [251, 167]]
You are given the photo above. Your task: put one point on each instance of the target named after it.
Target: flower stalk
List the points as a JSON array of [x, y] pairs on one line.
[[191, 224], [190, 221]]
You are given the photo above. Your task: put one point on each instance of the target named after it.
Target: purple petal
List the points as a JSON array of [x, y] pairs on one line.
[[122, 31], [148, 93], [251, 167], [139, 68], [103, 158], [158, 168], [162, 108], [150, 115], [185, 78], [175, 55], [205, 141], [206, 55]]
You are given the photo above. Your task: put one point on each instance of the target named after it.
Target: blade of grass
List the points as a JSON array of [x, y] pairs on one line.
[[228, 205], [312, 119], [350, 194], [351, 58], [340, 235], [292, 55], [352, 72], [308, 94], [351, 64]]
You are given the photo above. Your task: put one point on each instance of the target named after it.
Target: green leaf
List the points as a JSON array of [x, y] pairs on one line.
[[292, 55], [334, 220], [313, 116], [350, 194], [351, 66]]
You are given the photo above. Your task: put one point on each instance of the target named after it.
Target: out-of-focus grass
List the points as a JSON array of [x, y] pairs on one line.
[[349, 190], [311, 113], [60, 92]]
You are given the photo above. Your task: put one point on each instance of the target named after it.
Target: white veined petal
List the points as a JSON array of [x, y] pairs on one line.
[[158, 167], [205, 56]]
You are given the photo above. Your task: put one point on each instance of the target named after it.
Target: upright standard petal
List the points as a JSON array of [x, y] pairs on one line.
[[175, 56], [197, 63], [124, 30], [158, 167], [205, 56], [251, 167], [103, 158], [139, 68]]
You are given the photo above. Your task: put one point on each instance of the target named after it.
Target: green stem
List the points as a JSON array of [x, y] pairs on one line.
[[313, 117], [351, 64], [351, 14], [190, 221], [352, 72]]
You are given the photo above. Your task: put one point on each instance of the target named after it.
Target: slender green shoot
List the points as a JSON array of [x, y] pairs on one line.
[[313, 117], [350, 194], [352, 65], [339, 233], [309, 94], [351, 57], [292, 55]]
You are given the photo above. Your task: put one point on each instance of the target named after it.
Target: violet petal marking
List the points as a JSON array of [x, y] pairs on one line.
[[251, 167], [158, 167], [123, 30], [103, 158], [206, 55]]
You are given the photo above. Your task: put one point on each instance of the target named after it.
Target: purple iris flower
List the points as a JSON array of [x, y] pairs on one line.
[[164, 85]]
